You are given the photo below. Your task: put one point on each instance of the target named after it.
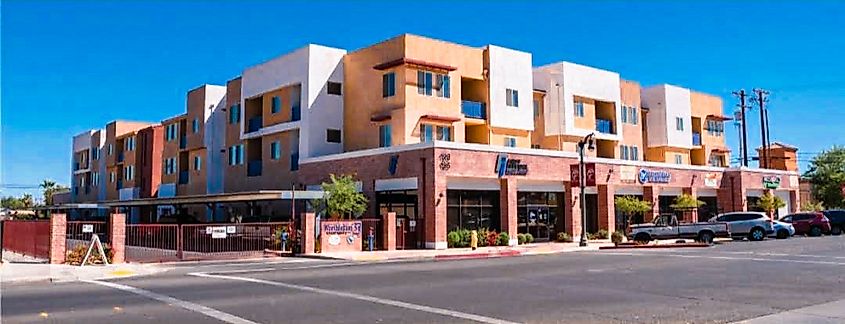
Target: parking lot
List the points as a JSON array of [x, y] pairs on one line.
[[728, 282]]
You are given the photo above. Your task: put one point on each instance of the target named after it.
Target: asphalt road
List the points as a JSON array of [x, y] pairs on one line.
[[725, 283]]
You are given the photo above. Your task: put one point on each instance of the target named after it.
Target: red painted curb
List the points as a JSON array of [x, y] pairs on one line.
[[662, 246], [483, 255]]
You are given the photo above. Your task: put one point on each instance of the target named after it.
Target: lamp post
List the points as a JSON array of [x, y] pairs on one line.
[[586, 141]]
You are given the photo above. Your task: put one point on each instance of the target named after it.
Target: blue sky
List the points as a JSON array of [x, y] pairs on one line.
[[67, 67]]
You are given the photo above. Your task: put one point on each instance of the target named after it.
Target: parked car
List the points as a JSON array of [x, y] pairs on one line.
[[810, 223], [783, 230], [667, 227], [837, 221], [753, 225]]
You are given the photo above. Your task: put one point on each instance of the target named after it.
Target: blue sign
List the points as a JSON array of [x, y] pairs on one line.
[[394, 162], [649, 176]]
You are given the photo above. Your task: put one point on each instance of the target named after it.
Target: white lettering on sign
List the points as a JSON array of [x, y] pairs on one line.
[[230, 230], [87, 228], [218, 232]]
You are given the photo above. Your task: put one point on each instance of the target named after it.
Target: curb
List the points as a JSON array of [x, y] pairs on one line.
[[484, 255], [660, 246]]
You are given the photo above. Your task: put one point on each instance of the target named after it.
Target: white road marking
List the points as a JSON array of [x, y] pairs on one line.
[[793, 255], [727, 258], [207, 311], [389, 302]]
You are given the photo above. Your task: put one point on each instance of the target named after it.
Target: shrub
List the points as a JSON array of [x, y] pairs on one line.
[[504, 239], [617, 237], [466, 237], [529, 238], [520, 238], [492, 238], [482, 237], [564, 237], [76, 255], [600, 235], [453, 239]]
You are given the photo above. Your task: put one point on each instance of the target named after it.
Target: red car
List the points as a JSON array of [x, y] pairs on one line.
[[813, 224]]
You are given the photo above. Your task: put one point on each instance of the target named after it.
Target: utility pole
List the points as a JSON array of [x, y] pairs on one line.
[[744, 134], [760, 96]]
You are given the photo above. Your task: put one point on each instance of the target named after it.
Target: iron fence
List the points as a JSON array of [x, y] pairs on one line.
[[80, 233]]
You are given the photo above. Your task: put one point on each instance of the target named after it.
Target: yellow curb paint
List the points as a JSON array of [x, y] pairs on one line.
[[122, 272], [44, 314], [117, 309]]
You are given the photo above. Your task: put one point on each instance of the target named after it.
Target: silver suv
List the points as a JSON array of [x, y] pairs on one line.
[[754, 225]]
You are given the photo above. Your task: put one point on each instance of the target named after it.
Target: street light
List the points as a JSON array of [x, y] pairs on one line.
[[591, 145]]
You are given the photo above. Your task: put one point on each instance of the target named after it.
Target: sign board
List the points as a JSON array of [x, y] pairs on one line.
[[218, 232], [654, 176], [628, 174], [506, 166], [394, 162], [231, 230], [87, 228], [341, 236], [589, 177], [771, 182], [711, 180], [208, 230]]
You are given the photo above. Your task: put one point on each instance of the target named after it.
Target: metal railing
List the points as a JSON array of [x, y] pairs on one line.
[[80, 233], [172, 242], [696, 139], [30, 238], [254, 124], [152, 242], [253, 168], [473, 109], [604, 126]]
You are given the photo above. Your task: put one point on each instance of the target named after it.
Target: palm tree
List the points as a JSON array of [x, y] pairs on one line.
[[49, 186]]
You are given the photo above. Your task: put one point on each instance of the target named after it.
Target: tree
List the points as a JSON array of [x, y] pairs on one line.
[[826, 172], [630, 206], [50, 187], [342, 198], [27, 201], [686, 202], [812, 206], [769, 203], [12, 203]]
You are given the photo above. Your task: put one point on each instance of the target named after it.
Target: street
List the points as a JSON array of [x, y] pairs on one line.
[[729, 282]]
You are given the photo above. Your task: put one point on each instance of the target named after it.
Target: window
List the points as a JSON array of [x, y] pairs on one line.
[[510, 141], [235, 114], [333, 135], [426, 84], [384, 135], [171, 132], [535, 146], [95, 154], [634, 118], [444, 133], [129, 143], [110, 150], [294, 153], [95, 178], [111, 177], [195, 125], [512, 97], [579, 109], [430, 133], [635, 153], [715, 128], [334, 88], [197, 163], [679, 159], [236, 154], [717, 160], [275, 151], [624, 114], [623, 151], [276, 105], [536, 108], [679, 123], [128, 172], [170, 165], [388, 85], [426, 133]]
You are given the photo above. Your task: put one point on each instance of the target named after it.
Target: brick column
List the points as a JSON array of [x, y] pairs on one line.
[[308, 230], [507, 207], [607, 208], [432, 200], [389, 231], [650, 195], [691, 215], [572, 211], [794, 201], [58, 237], [732, 195], [117, 237]]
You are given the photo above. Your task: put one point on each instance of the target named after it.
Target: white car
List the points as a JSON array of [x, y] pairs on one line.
[[754, 225], [783, 230]]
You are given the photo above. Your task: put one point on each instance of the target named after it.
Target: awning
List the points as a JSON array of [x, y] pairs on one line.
[[446, 119], [262, 195], [720, 150], [379, 117], [413, 62], [719, 117]]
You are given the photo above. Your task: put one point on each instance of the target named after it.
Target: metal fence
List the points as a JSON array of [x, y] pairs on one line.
[[152, 242], [80, 233], [376, 225], [30, 238]]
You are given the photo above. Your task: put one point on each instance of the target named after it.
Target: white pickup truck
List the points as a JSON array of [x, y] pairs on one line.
[[667, 227]]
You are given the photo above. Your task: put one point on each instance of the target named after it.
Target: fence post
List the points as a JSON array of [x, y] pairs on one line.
[[58, 238], [389, 231], [117, 237], [308, 230], [179, 246]]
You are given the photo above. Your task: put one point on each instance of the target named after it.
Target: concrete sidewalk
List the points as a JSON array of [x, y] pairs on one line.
[[16, 268], [467, 253]]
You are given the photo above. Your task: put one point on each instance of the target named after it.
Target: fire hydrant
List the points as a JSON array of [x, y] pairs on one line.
[[473, 240]]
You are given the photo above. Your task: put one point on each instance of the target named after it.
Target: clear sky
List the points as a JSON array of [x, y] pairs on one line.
[[68, 67]]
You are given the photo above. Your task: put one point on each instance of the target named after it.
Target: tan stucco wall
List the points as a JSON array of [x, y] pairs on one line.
[[632, 135]]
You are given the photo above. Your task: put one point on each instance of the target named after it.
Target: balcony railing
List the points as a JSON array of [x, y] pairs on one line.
[[183, 177], [473, 109], [696, 139], [254, 124], [604, 126], [183, 142], [253, 168]]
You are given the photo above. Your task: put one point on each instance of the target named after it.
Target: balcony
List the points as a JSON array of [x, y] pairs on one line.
[[473, 109], [183, 177], [696, 139], [183, 142], [254, 124], [604, 126], [253, 168]]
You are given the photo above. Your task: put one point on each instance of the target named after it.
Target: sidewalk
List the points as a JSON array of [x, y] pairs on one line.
[[18, 269], [467, 253]]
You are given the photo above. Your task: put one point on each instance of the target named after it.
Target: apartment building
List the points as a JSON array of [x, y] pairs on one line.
[[447, 136], [87, 170]]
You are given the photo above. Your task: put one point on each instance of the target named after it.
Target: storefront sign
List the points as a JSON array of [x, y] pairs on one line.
[[342, 227], [654, 176], [711, 180], [771, 182], [589, 175], [340, 236], [394, 162], [627, 174], [506, 166]]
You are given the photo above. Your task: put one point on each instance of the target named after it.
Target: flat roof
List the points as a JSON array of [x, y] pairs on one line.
[[218, 198]]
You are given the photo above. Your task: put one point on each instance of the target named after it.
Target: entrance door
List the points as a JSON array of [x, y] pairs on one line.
[[537, 221], [402, 233]]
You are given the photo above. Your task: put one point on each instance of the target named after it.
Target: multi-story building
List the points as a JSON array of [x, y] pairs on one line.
[[455, 137]]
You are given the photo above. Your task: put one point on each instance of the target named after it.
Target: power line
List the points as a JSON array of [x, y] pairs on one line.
[[744, 135]]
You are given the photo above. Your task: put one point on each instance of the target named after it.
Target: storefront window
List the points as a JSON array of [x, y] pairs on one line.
[[538, 213], [404, 204], [468, 209]]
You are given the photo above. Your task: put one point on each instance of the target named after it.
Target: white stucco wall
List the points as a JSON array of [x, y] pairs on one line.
[[510, 69], [665, 103], [214, 138]]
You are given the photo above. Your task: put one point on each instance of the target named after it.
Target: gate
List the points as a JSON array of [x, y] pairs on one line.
[[152, 242], [80, 233], [30, 238], [378, 232]]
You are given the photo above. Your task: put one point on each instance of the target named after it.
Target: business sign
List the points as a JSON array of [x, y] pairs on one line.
[[394, 162], [771, 182], [589, 175], [340, 236], [218, 232], [654, 176], [628, 174], [506, 166], [87, 228], [711, 180]]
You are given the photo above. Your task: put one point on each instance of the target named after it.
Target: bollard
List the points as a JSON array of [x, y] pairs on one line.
[[370, 238], [473, 240]]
